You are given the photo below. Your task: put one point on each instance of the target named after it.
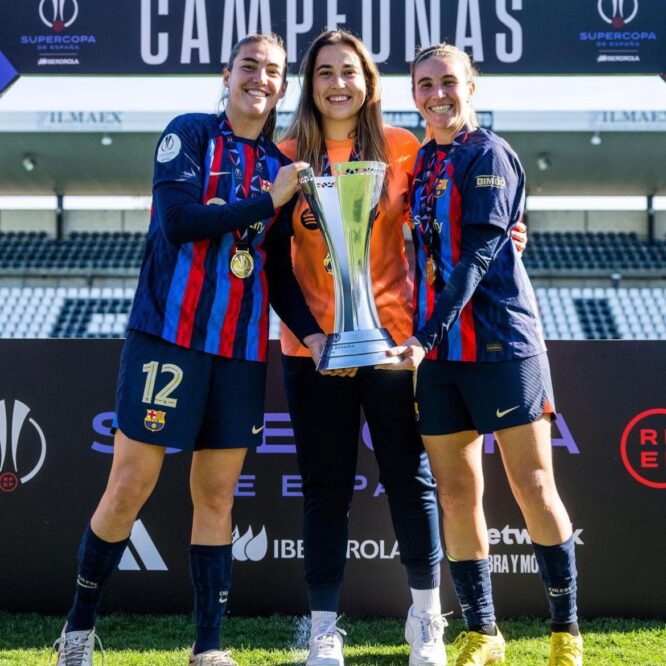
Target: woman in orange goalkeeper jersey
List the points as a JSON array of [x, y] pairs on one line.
[[339, 119]]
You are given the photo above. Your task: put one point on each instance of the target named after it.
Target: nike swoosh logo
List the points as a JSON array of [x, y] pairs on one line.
[[220, 173], [505, 412], [256, 431]]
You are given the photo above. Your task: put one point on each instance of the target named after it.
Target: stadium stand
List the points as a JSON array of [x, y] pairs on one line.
[[81, 285], [33, 251], [574, 313], [593, 252], [64, 312]]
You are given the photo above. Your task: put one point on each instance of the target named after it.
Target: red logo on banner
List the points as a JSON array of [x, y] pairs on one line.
[[15, 436], [8, 482], [643, 448]]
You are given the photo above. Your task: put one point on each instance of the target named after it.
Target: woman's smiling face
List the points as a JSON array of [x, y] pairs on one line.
[[338, 86], [442, 95]]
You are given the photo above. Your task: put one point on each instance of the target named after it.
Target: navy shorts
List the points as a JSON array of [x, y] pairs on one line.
[[186, 399], [453, 396]]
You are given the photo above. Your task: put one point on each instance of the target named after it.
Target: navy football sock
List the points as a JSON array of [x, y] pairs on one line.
[[424, 576], [97, 560], [471, 578], [324, 597], [565, 627], [557, 567], [210, 569]]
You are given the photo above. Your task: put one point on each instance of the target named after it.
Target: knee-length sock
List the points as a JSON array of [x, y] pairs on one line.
[[210, 569], [557, 568], [471, 579], [97, 560]]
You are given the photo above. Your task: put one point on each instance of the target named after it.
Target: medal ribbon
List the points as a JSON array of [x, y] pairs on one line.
[[355, 156], [435, 164], [244, 239]]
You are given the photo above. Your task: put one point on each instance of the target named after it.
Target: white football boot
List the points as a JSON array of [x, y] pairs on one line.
[[75, 648], [326, 646], [425, 635]]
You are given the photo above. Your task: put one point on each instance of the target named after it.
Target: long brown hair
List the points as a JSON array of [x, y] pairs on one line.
[[306, 125], [444, 51], [273, 40]]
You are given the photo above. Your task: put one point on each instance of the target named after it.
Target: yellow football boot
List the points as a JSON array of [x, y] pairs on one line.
[[565, 649], [478, 649]]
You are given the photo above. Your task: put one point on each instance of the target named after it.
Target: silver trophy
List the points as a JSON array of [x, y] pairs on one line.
[[344, 205]]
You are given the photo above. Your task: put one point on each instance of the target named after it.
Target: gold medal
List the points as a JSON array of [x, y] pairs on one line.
[[242, 264], [431, 271]]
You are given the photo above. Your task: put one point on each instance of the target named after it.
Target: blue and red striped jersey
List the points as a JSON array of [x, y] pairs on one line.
[[478, 180], [187, 293]]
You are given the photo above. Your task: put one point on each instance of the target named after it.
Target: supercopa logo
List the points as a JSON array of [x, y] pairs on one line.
[[618, 12], [58, 14], [21, 439], [58, 46], [619, 42]]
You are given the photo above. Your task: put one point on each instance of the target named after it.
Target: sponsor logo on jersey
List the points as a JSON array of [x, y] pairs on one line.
[[501, 414], [308, 220], [490, 181]]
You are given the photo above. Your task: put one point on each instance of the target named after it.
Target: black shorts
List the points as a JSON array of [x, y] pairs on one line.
[[186, 399], [453, 396]]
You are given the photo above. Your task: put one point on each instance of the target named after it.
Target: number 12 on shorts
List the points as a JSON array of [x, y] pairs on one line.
[[162, 398]]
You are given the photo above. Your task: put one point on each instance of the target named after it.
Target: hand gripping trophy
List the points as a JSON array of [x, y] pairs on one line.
[[345, 205]]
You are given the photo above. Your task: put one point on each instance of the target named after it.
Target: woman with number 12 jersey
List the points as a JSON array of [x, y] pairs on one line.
[[192, 372]]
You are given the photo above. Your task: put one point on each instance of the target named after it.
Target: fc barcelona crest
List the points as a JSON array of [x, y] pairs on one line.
[[441, 186], [155, 420]]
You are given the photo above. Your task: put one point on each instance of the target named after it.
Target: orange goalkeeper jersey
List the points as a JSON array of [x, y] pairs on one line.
[[388, 260]]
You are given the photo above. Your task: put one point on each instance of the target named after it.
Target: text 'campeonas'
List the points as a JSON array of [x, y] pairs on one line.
[[423, 26]]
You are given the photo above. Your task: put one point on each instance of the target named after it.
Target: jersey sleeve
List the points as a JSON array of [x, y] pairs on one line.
[[492, 188], [181, 151], [283, 224], [479, 247]]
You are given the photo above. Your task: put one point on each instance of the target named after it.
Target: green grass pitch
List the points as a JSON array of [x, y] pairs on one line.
[[132, 640]]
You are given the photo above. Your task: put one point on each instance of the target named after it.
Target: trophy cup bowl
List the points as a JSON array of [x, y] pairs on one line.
[[344, 206]]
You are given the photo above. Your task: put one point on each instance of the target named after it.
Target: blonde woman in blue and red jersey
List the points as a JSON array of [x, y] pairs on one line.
[[481, 359], [192, 372]]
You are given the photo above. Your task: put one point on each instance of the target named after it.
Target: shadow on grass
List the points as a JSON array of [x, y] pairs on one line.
[[525, 628]]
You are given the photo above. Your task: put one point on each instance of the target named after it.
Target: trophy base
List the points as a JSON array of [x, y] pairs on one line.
[[357, 349]]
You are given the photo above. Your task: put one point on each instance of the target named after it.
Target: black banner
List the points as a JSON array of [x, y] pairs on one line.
[[196, 36], [56, 409]]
